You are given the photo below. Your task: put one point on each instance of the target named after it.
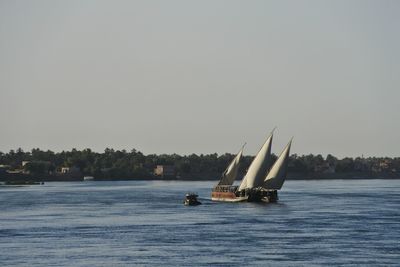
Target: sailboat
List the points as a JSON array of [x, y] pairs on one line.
[[224, 190], [261, 182]]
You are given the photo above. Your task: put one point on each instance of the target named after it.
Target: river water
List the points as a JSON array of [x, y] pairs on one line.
[[130, 223]]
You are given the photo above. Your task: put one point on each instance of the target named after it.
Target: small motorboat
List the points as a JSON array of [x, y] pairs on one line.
[[191, 200]]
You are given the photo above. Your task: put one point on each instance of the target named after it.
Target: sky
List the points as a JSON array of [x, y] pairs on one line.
[[201, 76]]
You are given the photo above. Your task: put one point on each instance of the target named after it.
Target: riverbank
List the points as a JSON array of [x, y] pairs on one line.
[[24, 178]]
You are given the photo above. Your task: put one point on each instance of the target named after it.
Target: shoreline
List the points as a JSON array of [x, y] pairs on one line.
[[201, 177]]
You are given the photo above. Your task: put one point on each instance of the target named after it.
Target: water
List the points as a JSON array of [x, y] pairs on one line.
[[144, 223]]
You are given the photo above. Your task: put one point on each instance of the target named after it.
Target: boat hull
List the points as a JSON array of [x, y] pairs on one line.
[[226, 197], [270, 196], [267, 196]]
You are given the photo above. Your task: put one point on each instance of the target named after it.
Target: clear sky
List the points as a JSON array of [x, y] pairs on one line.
[[201, 76]]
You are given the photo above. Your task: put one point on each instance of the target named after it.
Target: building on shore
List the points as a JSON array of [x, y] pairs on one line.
[[165, 171]]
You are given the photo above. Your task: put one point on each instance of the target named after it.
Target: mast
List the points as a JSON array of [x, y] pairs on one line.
[[277, 175], [259, 166], [230, 174]]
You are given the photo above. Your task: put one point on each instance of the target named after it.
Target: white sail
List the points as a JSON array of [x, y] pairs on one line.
[[230, 174], [258, 167], [277, 175]]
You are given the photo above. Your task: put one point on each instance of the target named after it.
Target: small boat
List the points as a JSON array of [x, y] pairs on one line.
[[88, 178], [23, 183], [191, 200]]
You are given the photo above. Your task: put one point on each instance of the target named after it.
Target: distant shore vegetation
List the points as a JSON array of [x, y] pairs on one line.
[[133, 164]]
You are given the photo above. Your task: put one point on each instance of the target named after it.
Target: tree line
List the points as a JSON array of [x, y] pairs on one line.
[[122, 164]]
